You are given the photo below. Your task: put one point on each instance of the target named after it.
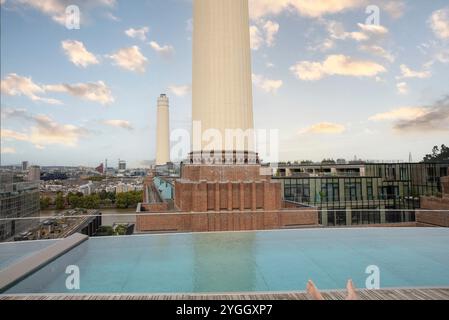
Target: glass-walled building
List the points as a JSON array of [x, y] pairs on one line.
[[382, 193], [19, 201]]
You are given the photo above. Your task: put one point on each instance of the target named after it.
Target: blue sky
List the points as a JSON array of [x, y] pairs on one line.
[[333, 84]]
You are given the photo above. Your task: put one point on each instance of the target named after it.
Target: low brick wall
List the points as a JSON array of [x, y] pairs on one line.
[[425, 218], [225, 221], [152, 207]]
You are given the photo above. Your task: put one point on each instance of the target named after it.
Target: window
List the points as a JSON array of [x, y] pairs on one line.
[[353, 191], [330, 191], [369, 190]]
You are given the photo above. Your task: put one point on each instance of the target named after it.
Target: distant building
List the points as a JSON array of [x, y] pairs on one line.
[[17, 200], [34, 173], [87, 189], [100, 168], [24, 165], [356, 194], [122, 165]]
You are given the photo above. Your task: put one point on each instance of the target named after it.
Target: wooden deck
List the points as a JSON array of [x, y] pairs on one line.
[[390, 294]]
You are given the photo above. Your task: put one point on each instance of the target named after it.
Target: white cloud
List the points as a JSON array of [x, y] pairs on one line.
[[324, 128], [439, 22], [130, 59], [403, 113], [78, 54], [367, 31], [140, 33], [15, 85], [263, 34], [378, 51], [179, 91], [166, 50], [336, 65], [56, 8], [310, 8], [267, 85], [96, 92], [402, 88], [124, 124], [256, 38], [394, 8], [7, 150], [45, 131], [13, 135], [431, 118], [406, 72]]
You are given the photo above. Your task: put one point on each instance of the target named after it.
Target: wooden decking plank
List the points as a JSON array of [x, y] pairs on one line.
[[385, 294]]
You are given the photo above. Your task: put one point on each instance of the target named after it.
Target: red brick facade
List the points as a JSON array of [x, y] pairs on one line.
[[224, 198], [225, 221]]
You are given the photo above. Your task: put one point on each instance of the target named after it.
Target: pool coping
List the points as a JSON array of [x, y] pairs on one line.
[[19, 270]]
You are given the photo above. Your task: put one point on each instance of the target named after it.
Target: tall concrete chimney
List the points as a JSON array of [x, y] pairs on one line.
[[163, 131], [222, 85]]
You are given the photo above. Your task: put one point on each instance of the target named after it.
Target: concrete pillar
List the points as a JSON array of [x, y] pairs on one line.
[[348, 216], [324, 217], [163, 131], [383, 215]]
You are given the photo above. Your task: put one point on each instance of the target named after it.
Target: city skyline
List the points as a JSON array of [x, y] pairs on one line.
[[76, 97]]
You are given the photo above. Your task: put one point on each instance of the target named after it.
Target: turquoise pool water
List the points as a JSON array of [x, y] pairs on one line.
[[250, 261], [10, 253]]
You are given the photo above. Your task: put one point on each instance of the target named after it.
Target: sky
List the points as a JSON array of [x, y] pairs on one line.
[[337, 78]]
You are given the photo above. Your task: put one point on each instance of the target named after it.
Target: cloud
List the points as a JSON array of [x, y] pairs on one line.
[[56, 8], [263, 34], [324, 128], [7, 150], [439, 23], [130, 59], [124, 124], [406, 72], [267, 85], [310, 8], [96, 92], [15, 85], [78, 54], [378, 51], [140, 34], [403, 113], [13, 135], [179, 91], [367, 31], [45, 131], [402, 87], [166, 50], [394, 8], [427, 118], [435, 118], [256, 38], [336, 65]]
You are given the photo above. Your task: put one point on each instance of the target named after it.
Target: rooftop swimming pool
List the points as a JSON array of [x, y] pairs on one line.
[[248, 261]]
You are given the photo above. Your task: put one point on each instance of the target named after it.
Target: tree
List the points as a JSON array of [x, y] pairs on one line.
[[45, 203], [438, 155], [59, 202]]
